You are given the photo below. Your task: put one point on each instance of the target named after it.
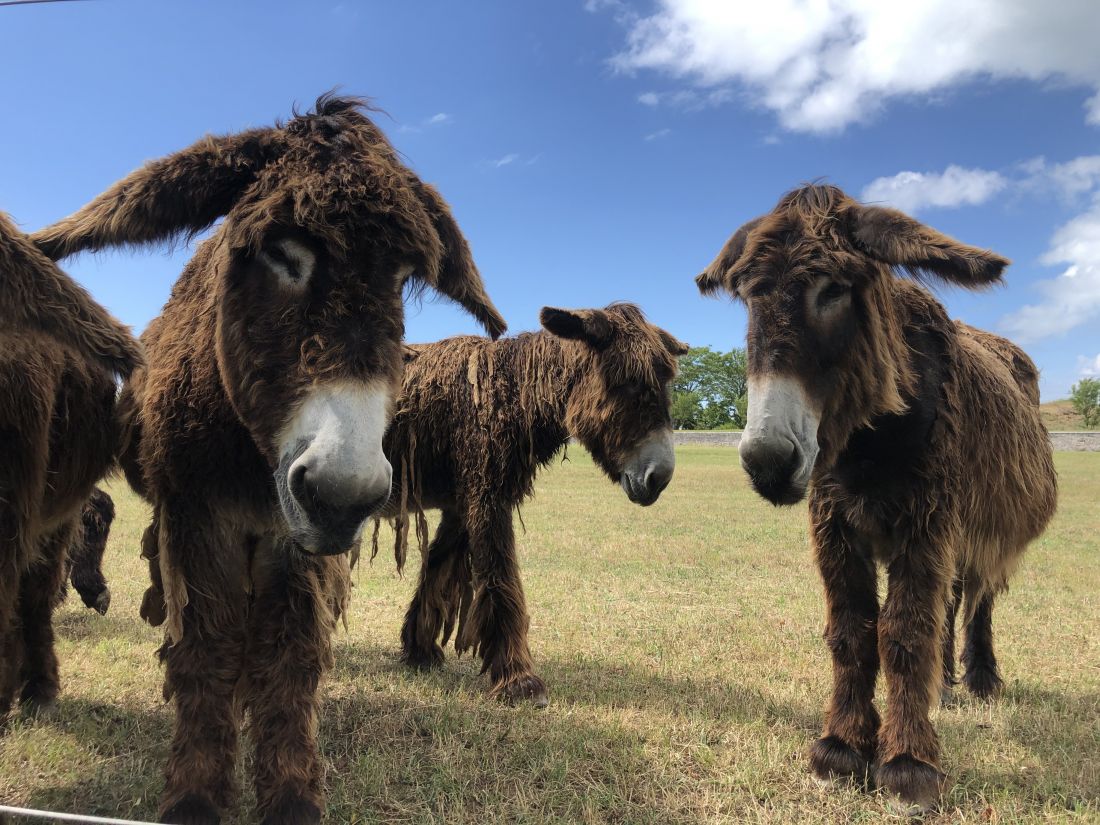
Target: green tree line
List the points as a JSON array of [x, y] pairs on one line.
[[710, 391]]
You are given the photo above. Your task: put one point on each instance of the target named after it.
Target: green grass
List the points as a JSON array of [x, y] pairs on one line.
[[681, 644]]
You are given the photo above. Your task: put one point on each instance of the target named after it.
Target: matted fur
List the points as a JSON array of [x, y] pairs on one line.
[[85, 558], [248, 619], [60, 353], [933, 460], [475, 422]]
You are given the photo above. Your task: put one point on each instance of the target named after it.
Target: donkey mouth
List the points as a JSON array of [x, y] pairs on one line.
[[640, 493], [778, 483]]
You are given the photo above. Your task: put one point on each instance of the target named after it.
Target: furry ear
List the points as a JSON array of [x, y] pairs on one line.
[[721, 274], [458, 277], [182, 193], [588, 325], [896, 239], [674, 345]]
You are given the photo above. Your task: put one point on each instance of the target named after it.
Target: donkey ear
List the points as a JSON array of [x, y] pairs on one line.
[[182, 193], [674, 345], [458, 277], [722, 272], [588, 325], [896, 239]]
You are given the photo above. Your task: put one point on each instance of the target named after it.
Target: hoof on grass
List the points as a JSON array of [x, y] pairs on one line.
[[191, 810], [915, 786], [984, 682], [292, 811], [833, 760], [528, 689]]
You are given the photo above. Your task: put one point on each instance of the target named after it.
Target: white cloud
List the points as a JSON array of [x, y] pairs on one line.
[[954, 186], [1069, 180], [691, 100], [1088, 367], [507, 160], [1072, 298], [660, 133], [822, 65], [439, 119]]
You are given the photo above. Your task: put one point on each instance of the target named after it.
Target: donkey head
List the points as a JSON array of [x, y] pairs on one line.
[[618, 408], [826, 345], [323, 230]]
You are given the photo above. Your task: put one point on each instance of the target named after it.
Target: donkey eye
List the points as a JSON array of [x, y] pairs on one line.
[[831, 293], [291, 262]]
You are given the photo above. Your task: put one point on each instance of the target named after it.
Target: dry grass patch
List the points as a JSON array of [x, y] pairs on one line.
[[681, 644]]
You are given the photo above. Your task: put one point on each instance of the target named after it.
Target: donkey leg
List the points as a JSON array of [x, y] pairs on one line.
[[498, 619], [40, 591], [847, 744], [204, 560], [948, 688], [981, 677], [910, 647], [11, 639], [438, 593], [289, 651]]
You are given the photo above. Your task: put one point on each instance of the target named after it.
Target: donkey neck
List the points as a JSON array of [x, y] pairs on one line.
[[549, 370]]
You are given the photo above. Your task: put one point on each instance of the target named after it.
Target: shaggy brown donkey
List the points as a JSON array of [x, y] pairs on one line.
[[86, 553], [256, 430], [475, 422], [918, 446], [981, 675], [60, 356]]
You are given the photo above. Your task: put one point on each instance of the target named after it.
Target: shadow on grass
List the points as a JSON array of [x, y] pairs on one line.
[[593, 682], [124, 748], [79, 624]]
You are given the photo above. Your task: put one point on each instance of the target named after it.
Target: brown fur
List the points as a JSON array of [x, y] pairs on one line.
[[475, 422], [933, 461], [85, 560], [249, 618], [60, 353]]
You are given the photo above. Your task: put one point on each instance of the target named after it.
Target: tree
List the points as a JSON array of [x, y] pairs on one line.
[[1085, 395], [709, 391]]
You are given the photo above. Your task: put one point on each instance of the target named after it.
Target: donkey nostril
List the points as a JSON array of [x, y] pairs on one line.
[[300, 487]]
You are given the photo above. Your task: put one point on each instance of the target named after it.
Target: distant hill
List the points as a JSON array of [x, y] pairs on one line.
[[1060, 415]]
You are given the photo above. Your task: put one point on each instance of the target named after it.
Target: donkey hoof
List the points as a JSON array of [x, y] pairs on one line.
[[39, 709], [291, 809], [528, 689], [191, 810], [916, 785], [423, 660], [833, 759], [102, 602], [984, 682]]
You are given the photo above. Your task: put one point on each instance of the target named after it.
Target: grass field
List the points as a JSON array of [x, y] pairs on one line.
[[681, 644]]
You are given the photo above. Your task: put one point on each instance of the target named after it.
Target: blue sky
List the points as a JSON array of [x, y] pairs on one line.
[[604, 150]]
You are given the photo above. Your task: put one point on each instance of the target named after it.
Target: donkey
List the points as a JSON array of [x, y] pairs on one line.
[[256, 429], [60, 356], [981, 675], [475, 422], [917, 445], [85, 558]]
